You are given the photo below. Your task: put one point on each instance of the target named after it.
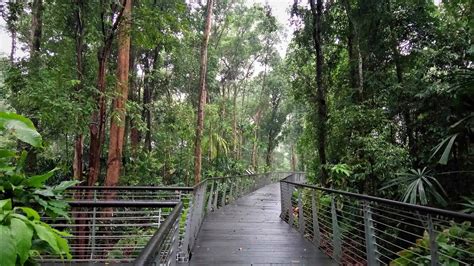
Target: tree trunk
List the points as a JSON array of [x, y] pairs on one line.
[[316, 11], [202, 95], [36, 26], [117, 127], [146, 115], [35, 43], [355, 57], [255, 140], [13, 48], [97, 121], [293, 158], [77, 165], [97, 124], [269, 154], [79, 36], [134, 135], [235, 137]]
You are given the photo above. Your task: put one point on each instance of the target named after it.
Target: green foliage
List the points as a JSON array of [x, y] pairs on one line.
[[450, 247], [20, 127], [339, 173], [24, 236], [468, 205], [419, 187]]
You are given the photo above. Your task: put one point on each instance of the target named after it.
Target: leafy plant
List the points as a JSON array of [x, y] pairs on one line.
[[468, 205], [454, 245], [339, 174], [420, 187], [23, 198], [462, 127]]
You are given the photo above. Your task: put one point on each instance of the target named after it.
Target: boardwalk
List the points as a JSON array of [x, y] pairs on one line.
[[250, 232]]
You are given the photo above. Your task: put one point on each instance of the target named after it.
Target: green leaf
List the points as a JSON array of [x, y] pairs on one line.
[[30, 213], [65, 185], [6, 154], [21, 127], [38, 180], [5, 117], [47, 235], [444, 158], [6, 204], [7, 247], [45, 192], [63, 246], [22, 234]]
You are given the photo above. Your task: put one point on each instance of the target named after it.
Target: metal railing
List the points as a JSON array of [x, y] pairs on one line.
[[163, 246], [356, 229], [214, 193], [146, 225], [111, 232]]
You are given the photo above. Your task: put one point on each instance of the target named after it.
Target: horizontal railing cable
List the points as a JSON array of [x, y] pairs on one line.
[[356, 229]]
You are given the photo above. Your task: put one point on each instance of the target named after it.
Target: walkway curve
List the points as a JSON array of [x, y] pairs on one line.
[[250, 232]]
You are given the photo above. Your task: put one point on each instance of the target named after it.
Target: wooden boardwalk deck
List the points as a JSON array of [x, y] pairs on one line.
[[250, 232]]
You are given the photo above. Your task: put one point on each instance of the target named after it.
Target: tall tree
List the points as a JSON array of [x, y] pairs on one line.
[[97, 125], [317, 13], [117, 126], [36, 26], [202, 94], [79, 38]]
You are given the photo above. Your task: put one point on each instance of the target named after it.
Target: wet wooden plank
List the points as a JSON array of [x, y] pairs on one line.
[[250, 232]]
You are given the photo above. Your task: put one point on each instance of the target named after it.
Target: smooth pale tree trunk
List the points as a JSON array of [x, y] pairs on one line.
[[317, 11], [272, 134], [258, 116], [202, 95], [117, 126], [293, 158], [235, 136]]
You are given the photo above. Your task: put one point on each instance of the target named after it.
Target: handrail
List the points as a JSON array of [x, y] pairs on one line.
[[149, 252], [103, 217], [417, 207], [360, 229], [131, 188], [123, 203]]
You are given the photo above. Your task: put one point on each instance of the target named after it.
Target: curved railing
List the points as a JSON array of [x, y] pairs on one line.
[[357, 229], [146, 225]]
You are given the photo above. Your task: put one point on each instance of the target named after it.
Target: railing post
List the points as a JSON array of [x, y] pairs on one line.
[[216, 197], [174, 243], [282, 202], [209, 202], [336, 233], [192, 209], [231, 191], [433, 245], [370, 241], [314, 210], [94, 217], [301, 225], [290, 205], [224, 191]]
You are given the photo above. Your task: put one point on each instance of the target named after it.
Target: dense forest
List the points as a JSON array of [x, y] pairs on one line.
[[370, 96]]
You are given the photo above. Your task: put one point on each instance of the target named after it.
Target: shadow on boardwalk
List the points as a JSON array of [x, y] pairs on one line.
[[250, 232]]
